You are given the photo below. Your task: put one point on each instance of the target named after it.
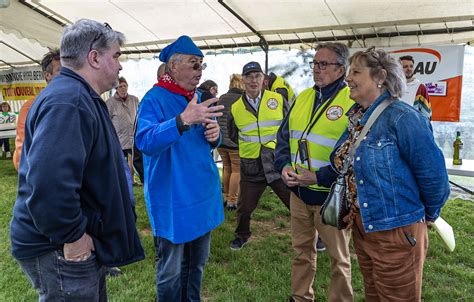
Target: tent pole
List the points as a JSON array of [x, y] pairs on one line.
[[263, 42], [264, 46], [22, 53]]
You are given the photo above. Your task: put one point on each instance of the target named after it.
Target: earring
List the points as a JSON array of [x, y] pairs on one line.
[[379, 85]]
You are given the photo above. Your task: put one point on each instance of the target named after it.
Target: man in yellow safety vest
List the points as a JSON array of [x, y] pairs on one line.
[[253, 124], [304, 142]]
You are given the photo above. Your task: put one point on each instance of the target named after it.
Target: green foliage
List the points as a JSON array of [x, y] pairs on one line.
[[261, 270]]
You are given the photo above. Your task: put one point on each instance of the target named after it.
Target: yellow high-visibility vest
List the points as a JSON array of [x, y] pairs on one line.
[[324, 134], [281, 83], [255, 132]]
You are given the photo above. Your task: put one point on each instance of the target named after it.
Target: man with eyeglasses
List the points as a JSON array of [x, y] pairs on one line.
[[74, 213], [176, 133], [51, 65], [253, 122], [304, 142]]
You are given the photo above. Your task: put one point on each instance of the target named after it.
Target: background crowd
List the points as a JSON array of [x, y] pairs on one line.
[[76, 224]]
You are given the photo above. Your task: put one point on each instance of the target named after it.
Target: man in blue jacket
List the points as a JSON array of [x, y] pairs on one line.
[[74, 211], [176, 133]]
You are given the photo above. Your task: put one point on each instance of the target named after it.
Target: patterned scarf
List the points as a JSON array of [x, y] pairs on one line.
[[167, 82], [354, 128]]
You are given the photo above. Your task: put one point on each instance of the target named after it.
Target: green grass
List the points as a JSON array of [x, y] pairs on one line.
[[260, 271]]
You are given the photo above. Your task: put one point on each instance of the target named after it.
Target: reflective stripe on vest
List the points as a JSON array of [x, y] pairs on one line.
[[261, 124], [257, 139], [315, 164], [315, 138], [257, 132], [324, 134]]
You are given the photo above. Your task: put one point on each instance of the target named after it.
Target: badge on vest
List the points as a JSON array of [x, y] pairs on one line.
[[334, 113], [272, 104]]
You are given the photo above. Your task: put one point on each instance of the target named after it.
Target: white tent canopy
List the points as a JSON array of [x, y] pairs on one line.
[[28, 27]]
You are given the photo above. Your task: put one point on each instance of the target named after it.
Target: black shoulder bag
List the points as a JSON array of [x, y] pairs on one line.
[[336, 206]]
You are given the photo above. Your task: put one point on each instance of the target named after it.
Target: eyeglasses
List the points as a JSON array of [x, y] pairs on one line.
[[372, 52], [108, 27], [198, 65], [255, 77], [322, 64]]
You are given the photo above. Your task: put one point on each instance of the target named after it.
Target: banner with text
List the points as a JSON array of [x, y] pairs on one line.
[[22, 83], [440, 68]]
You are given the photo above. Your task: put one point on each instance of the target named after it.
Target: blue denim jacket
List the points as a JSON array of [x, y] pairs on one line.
[[400, 172]]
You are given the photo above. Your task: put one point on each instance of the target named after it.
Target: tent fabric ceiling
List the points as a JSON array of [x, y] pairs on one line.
[[32, 25]]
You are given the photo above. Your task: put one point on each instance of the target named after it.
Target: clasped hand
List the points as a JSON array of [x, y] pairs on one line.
[[301, 177]]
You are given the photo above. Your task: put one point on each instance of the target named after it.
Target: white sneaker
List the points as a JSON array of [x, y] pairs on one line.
[[9, 155]]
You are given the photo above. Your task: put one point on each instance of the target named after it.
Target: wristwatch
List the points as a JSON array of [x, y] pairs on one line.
[[182, 124]]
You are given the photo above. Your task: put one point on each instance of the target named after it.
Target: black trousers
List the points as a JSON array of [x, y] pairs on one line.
[[138, 163], [250, 193]]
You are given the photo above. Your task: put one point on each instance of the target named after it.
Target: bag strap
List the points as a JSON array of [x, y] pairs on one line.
[[373, 117], [320, 110]]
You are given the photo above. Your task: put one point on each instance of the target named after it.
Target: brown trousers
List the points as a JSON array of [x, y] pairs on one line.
[[230, 174], [391, 267], [250, 193]]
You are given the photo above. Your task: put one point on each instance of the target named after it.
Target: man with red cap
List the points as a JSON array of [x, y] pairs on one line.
[[176, 133]]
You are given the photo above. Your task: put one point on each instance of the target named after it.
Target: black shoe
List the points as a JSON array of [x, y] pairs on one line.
[[320, 245], [237, 244], [231, 207], [113, 271]]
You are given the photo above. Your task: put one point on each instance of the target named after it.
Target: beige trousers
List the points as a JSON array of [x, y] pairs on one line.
[[306, 225], [230, 174]]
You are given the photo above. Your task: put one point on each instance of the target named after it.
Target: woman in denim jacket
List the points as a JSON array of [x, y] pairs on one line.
[[397, 180]]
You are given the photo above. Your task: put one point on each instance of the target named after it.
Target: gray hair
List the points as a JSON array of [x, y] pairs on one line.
[[341, 51], [176, 57], [81, 37], [378, 59]]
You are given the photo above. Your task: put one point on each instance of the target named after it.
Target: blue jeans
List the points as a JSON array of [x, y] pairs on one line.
[[56, 279], [180, 268]]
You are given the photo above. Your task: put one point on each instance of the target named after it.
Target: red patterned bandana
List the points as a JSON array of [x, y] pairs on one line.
[[167, 82]]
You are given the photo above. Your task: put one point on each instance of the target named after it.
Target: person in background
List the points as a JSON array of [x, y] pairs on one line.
[[396, 182], [5, 142], [176, 132], [279, 85], [416, 94], [123, 112], [136, 154], [208, 90], [51, 66], [253, 123], [161, 71], [228, 150], [316, 120], [74, 212]]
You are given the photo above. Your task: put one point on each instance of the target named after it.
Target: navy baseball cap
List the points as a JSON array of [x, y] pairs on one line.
[[251, 67]]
